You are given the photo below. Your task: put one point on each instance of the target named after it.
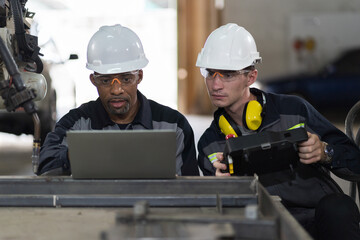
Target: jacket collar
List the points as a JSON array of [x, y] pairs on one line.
[[144, 115], [271, 113]]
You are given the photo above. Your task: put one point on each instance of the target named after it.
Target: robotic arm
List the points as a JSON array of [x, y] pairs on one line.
[[20, 61]]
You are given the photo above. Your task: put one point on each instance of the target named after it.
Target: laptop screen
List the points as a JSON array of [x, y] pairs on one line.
[[122, 154]]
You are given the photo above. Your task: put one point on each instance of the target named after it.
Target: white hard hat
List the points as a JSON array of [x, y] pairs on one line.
[[115, 49], [230, 47]]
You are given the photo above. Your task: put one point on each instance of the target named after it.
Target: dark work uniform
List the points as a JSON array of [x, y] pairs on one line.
[[93, 116], [301, 190]]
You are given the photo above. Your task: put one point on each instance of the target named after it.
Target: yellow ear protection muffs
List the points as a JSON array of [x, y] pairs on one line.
[[252, 118], [228, 126], [254, 113]]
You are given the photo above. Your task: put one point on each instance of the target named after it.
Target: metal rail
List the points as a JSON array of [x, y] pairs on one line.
[[349, 131], [232, 208]]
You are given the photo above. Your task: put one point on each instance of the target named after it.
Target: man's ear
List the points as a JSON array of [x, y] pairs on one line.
[[252, 76], [92, 79], [140, 76]]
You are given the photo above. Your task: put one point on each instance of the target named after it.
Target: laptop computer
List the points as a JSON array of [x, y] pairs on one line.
[[122, 154]]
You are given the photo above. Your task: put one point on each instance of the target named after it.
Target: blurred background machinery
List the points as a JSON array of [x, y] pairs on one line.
[[18, 31], [21, 81], [306, 49]]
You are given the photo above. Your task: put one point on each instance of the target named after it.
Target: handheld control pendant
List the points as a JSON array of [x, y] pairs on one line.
[[264, 152]]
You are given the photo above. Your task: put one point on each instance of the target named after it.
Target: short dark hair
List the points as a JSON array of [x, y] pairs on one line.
[[251, 68]]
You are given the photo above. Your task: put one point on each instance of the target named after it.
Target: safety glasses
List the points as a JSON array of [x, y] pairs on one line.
[[107, 80], [225, 76]]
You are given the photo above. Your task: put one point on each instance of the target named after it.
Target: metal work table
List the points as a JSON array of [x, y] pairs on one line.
[[182, 208]]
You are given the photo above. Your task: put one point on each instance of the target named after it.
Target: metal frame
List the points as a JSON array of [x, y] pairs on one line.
[[67, 192], [349, 131], [239, 204]]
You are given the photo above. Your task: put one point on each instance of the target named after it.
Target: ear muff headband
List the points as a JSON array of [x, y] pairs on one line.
[[252, 115]]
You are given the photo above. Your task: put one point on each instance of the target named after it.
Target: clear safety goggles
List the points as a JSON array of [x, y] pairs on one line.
[[108, 80], [225, 76]]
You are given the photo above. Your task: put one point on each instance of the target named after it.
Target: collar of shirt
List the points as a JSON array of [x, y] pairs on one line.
[[144, 115]]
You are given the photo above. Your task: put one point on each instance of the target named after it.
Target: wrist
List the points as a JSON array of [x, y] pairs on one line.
[[328, 153]]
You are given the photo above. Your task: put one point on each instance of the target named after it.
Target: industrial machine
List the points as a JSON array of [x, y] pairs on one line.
[[21, 81]]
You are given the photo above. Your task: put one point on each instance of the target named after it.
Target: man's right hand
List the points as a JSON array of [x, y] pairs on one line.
[[220, 166]]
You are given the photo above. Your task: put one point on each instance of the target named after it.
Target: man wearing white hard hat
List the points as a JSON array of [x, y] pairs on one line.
[[115, 55], [227, 63]]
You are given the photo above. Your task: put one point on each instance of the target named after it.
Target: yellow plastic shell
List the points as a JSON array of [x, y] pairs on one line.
[[253, 115], [225, 126]]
